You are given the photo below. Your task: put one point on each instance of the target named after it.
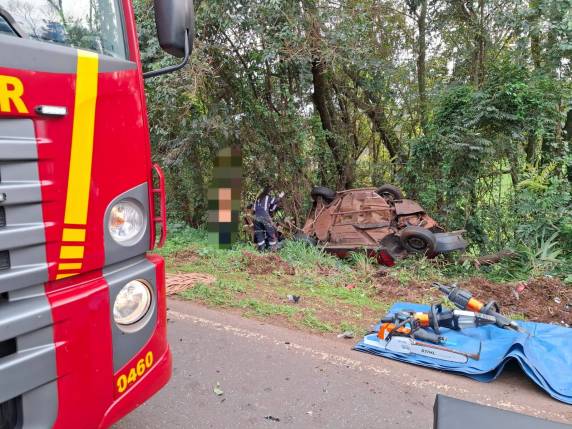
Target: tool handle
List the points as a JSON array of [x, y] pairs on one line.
[[423, 335], [460, 297]]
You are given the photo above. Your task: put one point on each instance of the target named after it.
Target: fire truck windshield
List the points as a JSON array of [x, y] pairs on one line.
[[96, 25]]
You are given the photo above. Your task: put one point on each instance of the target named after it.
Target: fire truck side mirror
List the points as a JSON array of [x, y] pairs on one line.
[[175, 21]]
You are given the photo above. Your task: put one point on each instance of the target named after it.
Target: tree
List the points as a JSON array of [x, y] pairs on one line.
[[460, 102]]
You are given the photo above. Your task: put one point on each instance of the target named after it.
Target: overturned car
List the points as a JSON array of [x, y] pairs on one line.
[[380, 220]]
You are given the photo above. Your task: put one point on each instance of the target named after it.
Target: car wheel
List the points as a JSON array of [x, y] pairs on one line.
[[418, 240], [390, 193], [327, 194], [305, 238]]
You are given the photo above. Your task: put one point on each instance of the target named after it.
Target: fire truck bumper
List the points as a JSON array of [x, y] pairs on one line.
[[103, 372], [150, 384], [142, 361]]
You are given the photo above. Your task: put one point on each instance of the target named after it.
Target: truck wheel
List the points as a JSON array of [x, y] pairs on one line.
[[327, 194], [306, 239], [418, 240], [390, 193]]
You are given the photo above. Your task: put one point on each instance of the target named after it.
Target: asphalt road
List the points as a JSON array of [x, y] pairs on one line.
[[273, 377]]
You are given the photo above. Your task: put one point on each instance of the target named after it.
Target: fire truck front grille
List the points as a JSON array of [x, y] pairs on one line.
[[22, 231], [10, 417], [27, 351], [7, 348], [4, 260]]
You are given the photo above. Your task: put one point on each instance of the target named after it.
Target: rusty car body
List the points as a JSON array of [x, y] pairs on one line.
[[384, 223]]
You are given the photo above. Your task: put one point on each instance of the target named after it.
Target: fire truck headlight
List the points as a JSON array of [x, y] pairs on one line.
[[132, 303], [127, 223]]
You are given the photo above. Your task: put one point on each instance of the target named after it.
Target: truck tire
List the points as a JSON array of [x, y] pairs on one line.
[[415, 239], [390, 193], [306, 239], [327, 194]]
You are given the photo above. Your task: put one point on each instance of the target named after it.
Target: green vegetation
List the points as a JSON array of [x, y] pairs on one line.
[[306, 257], [258, 308], [336, 296], [311, 321], [219, 295], [465, 105]]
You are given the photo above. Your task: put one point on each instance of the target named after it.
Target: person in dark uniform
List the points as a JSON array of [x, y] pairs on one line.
[[264, 229]]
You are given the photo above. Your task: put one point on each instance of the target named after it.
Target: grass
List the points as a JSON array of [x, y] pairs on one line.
[[255, 307], [357, 330], [337, 296], [315, 324], [300, 255], [517, 316], [327, 304], [219, 295]]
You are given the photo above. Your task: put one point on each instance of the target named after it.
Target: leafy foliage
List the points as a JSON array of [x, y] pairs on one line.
[[466, 105]]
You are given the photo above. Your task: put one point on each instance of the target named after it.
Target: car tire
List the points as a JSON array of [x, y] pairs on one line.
[[306, 239], [415, 239], [327, 194], [390, 193]]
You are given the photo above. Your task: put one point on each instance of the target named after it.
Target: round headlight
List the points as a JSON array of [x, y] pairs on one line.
[[126, 222], [132, 303]]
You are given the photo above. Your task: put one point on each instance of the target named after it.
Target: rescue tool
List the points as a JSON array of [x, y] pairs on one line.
[[544, 357], [408, 346], [410, 332], [464, 300], [436, 319]]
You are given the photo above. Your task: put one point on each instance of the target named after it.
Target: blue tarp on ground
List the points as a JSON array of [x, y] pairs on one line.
[[545, 353]]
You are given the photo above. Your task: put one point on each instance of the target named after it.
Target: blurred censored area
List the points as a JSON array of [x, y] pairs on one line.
[[224, 199]]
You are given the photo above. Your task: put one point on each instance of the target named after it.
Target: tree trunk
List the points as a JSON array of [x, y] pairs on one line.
[[535, 34], [337, 122], [388, 136], [422, 66], [321, 96], [536, 55], [475, 21], [568, 127], [481, 47], [531, 148], [373, 108], [488, 260]]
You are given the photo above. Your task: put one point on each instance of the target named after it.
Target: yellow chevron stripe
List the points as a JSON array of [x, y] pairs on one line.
[[74, 235], [65, 276], [77, 201], [72, 252], [70, 267]]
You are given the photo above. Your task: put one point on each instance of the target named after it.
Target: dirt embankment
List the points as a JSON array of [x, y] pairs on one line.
[[546, 300], [269, 263], [186, 256]]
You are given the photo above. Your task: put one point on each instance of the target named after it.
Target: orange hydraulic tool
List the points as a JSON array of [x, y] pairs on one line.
[[416, 324], [464, 300], [410, 329]]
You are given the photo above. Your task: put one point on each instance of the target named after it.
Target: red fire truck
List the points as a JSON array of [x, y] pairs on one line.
[[82, 304]]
